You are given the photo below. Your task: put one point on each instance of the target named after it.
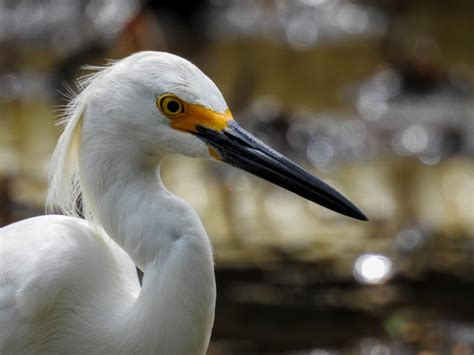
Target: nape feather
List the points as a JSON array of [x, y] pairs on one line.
[[65, 192]]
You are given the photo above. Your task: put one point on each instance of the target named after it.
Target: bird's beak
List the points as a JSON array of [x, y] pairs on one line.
[[239, 148]]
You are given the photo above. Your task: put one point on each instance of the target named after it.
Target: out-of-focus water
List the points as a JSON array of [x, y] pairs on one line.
[[376, 99]]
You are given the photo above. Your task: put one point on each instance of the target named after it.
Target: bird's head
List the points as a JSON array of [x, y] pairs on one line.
[[161, 102]]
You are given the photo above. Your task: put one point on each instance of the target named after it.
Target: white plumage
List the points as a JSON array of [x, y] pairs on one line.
[[69, 285], [65, 285]]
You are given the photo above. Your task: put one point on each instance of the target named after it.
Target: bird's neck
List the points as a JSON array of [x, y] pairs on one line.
[[122, 190], [164, 237]]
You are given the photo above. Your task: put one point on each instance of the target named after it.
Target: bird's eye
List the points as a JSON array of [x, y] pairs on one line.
[[170, 105]]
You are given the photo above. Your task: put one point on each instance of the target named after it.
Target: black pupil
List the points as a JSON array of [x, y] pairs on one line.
[[173, 106]]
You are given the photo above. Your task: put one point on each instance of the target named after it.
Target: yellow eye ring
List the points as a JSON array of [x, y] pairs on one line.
[[170, 105]]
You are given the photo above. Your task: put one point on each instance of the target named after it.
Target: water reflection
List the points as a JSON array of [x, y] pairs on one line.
[[301, 24], [10, 87], [65, 26], [372, 269], [409, 239], [395, 134], [320, 153]]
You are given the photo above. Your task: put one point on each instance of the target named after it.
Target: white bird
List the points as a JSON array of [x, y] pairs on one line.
[[69, 285]]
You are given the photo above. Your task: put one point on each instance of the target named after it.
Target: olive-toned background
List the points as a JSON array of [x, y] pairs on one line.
[[375, 97]]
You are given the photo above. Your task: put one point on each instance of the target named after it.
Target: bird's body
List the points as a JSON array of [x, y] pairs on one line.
[[75, 288], [69, 285]]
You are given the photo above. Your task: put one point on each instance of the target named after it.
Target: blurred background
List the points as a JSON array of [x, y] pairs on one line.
[[375, 97]]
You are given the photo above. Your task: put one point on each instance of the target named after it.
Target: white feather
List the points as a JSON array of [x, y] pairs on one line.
[[64, 190], [68, 285]]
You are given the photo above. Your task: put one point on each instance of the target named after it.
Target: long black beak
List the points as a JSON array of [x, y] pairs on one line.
[[242, 150]]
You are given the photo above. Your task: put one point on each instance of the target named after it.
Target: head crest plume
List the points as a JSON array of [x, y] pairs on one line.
[[64, 192]]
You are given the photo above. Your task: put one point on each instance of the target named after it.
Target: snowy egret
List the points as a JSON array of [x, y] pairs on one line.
[[69, 285]]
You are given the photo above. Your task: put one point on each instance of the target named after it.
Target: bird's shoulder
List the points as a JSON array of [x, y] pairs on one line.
[[47, 260]]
